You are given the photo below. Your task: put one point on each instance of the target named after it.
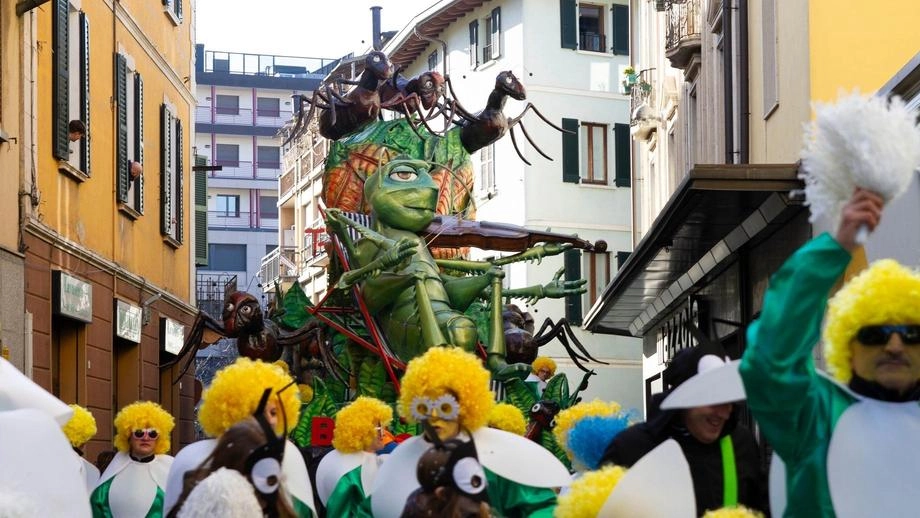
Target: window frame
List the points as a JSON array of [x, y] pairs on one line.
[[270, 112], [130, 192], [602, 40], [487, 170], [433, 60], [70, 94], [493, 33], [587, 173], [226, 110], [216, 254], [225, 211], [172, 206], [173, 11]]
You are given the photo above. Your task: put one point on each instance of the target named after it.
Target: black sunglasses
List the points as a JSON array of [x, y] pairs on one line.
[[879, 335], [150, 432]]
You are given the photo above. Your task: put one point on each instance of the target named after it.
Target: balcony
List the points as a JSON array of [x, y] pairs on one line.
[[223, 220], [303, 156], [240, 116], [279, 265], [643, 118], [247, 170], [682, 39], [211, 290], [592, 41], [313, 252], [239, 63]]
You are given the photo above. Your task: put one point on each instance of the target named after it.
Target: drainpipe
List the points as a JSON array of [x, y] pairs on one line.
[[727, 82], [375, 27], [743, 79]]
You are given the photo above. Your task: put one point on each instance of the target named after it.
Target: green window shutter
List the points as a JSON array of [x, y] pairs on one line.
[[180, 188], [60, 82], [165, 170], [621, 143], [139, 140], [570, 172], [474, 43], [620, 15], [568, 26], [572, 260], [201, 213], [621, 259], [121, 139], [84, 92]]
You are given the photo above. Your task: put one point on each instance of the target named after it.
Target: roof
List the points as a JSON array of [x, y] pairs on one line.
[[407, 45], [717, 210]]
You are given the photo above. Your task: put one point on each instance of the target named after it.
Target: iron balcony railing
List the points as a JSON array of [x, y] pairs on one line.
[[592, 41], [279, 265], [303, 156], [240, 116], [682, 36], [247, 170], [264, 65], [313, 252], [642, 92], [212, 289], [218, 219]]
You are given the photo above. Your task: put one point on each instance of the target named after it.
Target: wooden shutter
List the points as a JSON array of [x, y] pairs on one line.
[[621, 259], [121, 138], [620, 15], [139, 140], [568, 25], [179, 154], [84, 92], [570, 172], [165, 170], [201, 213], [572, 260], [495, 39], [178, 9], [621, 143], [60, 82], [474, 43]]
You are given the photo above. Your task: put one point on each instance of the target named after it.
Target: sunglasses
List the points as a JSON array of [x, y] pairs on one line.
[[149, 432], [879, 335]]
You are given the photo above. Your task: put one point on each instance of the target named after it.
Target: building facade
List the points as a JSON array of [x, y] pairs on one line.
[[105, 213], [242, 102]]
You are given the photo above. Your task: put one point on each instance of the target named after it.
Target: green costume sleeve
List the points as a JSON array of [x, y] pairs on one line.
[[777, 367], [301, 509], [512, 500], [99, 500], [348, 498]]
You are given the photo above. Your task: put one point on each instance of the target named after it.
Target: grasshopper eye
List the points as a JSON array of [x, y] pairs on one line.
[[403, 175]]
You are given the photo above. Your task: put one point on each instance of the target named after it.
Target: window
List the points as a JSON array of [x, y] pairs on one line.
[[228, 155], [594, 153], [591, 28], [268, 157], [597, 267], [129, 144], [70, 86], [572, 261], [173, 8], [268, 106], [268, 207], [487, 169], [493, 49], [433, 60], [226, 257], [228, 205], [474, 43], [172, 153], [270, 248], [227, 104]]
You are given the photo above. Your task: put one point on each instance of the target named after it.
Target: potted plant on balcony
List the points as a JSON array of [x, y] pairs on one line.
[[630, 79]]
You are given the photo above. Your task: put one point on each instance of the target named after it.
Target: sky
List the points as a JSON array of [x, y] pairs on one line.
[[309, 28]]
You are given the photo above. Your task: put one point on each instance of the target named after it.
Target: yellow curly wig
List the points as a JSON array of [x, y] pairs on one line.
[[235, 392], [81, 427], [449, 369], [733, 512], [508, 418], [885, 293], [356, 424], [588, 493], [543, 361], [141, 415], [566, 419]]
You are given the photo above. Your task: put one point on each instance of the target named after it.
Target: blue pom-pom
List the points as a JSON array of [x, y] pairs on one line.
[[590, 436]]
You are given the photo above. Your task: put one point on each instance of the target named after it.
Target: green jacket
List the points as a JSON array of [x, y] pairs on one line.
[[796, 408]]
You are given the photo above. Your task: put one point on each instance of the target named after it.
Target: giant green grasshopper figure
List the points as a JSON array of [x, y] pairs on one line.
[[417, 306]]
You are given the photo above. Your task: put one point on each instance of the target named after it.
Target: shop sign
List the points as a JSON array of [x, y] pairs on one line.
[[173, 335], [72, 297], [128, 321]]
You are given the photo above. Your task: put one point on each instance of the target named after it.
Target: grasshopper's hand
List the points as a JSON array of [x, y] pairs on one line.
[[398, 253]]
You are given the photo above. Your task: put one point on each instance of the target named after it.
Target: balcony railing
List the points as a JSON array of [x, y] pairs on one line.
[[263, 65], [247, 170], [279, 265], [240, 116], [682, 39], [313, 252], [303, 156], [218, 219], [642, 92], [592, 41], [211, 290]]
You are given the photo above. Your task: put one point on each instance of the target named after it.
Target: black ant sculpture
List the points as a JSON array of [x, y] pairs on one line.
[[480, 130], [413, 97]]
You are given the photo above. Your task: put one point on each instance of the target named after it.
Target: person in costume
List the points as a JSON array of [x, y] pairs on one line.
[[507, 417], [80, 429], [232, 396], [723, 456], [584, 430], [133, 483], [541, 370], [252, 449], [448, 389], [845, 441], [345, 474], [452, 483]]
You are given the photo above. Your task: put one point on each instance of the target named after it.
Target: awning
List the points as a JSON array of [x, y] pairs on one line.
[[715, 211]]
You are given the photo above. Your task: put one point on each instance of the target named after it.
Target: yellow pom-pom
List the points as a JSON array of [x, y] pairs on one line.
[[235, 392], [443, 370], [508, 418], [733, 512], [140, 416], [568, 417], [356, 424], [306, 392], [543, 362], [81, 427], [588, 493]]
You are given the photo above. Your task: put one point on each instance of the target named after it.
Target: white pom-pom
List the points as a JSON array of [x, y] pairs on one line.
[[224, 493], [868, 142]]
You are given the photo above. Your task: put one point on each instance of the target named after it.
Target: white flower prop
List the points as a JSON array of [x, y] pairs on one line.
[[869, 142]]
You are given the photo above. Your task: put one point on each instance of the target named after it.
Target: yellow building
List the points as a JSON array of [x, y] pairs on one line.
[[106, 233]]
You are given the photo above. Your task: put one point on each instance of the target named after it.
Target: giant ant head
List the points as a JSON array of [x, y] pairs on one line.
[[506, 82], [241, 313], [379, 65], [429, 86]]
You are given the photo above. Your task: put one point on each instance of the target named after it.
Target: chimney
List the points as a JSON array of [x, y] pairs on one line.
[[375, 26]]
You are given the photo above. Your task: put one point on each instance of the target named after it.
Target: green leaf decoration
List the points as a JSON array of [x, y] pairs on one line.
[[294, 304], [479, 313], [321, 405], [557, 389], [398, 427], [371, 378], [518, 394], [548, 441]]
